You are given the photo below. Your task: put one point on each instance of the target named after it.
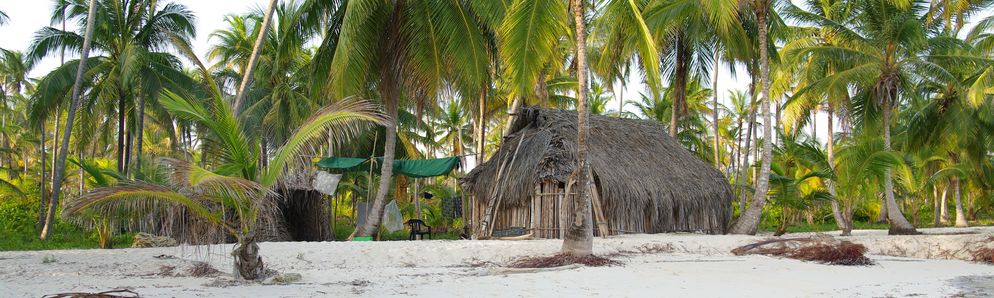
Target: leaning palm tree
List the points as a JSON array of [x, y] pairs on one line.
[[405, 50], [60, 163], [748, 222], [239, 182]]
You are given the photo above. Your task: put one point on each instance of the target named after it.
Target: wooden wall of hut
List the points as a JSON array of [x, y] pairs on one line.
[[549, 211]]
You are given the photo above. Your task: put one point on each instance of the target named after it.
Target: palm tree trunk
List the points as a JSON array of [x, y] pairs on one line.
[[61, 163], [41, 188], [256, 49], [140, 135], [374, 214], [679, 83], [121, 134], [714, 114], [840, 220], [957, 197], [482, 127], [579, 237], [898, 224], [744, 154], [943, 206], [748, 223], [248, 264]]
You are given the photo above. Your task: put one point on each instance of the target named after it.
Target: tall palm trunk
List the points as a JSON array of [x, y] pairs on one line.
[[60, 165], [141, 132], [748, 223], [254, 58], [957, 197], [943, 206], [42, 193], [121, 150], [714, 114], [841, 220], [744, 154], [390, 90], [898, 224], [579, 237], [679, 83], [481, 123]]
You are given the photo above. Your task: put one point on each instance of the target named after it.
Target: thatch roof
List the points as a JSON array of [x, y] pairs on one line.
[[638, 168]]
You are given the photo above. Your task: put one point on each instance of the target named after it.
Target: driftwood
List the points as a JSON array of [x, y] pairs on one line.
[[528, 236]]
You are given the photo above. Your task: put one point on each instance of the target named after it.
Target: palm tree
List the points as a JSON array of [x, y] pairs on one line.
[[135, 65], [748, 222], [407, 50], [239, 182], [60, 164], [694, 32], [254, 57], [579, 237], [881, 53]]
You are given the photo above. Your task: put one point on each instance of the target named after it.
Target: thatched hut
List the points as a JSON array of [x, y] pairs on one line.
[[644, 180]]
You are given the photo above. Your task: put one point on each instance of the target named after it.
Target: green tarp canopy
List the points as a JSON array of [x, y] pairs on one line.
[[414, 168], [341, 163]]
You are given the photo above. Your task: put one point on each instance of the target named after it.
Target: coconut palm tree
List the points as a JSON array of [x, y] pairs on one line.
[[748, 222], [60, 163], [239, 181], [406, 49], [135, 47], [693, 32], [880, 52]]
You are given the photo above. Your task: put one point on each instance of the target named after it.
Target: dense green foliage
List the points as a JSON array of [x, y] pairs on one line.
[[907, 87]]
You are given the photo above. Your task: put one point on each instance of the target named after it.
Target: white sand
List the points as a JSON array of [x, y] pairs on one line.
[[690, 264]]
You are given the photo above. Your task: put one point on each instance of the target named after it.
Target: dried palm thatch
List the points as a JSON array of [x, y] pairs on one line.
[[562, 260], [645, 178], [819, 248]]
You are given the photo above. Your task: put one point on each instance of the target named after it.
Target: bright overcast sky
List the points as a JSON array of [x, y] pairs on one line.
[[27, 16]]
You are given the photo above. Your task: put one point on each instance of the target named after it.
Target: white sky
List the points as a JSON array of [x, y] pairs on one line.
[[28, 16]]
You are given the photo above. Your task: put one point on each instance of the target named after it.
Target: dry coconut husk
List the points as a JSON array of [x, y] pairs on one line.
[[562, 260], [819, 248]]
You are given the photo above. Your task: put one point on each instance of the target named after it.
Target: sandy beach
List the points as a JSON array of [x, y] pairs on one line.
[[651, 265]]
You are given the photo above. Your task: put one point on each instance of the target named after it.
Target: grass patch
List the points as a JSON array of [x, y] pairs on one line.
[[18, 231]]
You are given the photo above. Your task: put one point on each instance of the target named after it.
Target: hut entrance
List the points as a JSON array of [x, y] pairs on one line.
[[306, 214]]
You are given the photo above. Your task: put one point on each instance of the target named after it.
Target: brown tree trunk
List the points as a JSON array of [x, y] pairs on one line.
[[943, 206], [840, 220], [42, 193], [898, 224], [61, 163], [957, 197], [714, 114], [254, 58], [579, 238], [121, 134], [482, 127], [390, 90], [748, 223], [248, 264], [679, 83]]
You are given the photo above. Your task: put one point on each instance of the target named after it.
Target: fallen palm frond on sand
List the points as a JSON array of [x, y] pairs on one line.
[[106, 294], [819, 248], [984, 254], [562, 260]]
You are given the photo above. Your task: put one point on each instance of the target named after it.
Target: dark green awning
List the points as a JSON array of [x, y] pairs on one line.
[[341, 163], [414, 168]]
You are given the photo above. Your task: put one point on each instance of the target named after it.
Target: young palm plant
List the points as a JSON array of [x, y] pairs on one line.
[[238, 183]]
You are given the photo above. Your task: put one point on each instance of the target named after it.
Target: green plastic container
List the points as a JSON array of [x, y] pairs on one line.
[[367, 238]]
